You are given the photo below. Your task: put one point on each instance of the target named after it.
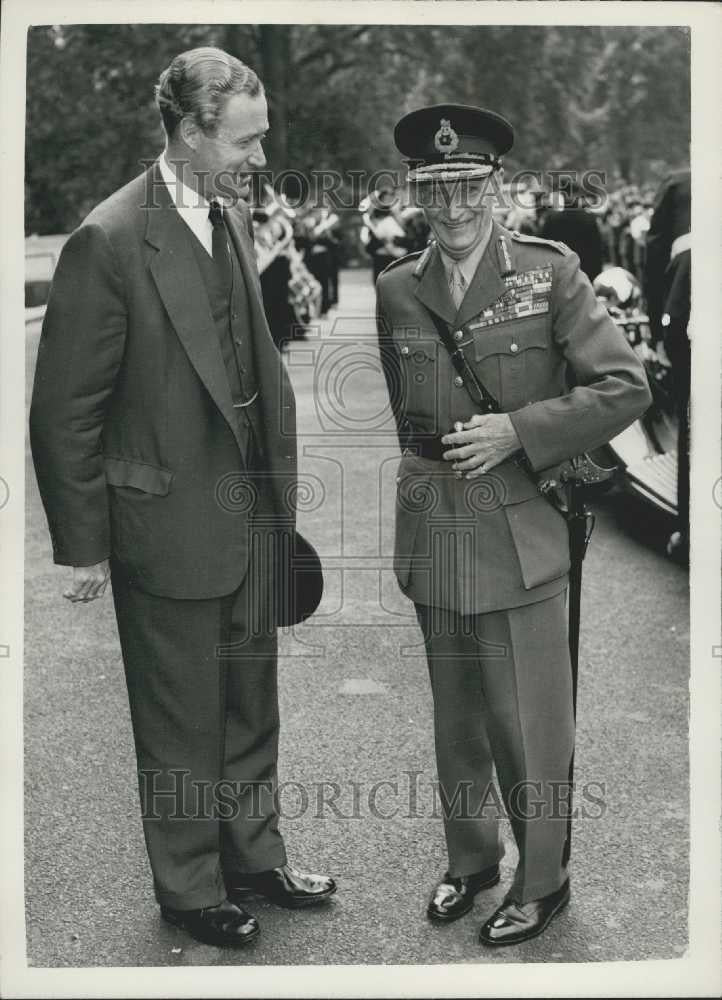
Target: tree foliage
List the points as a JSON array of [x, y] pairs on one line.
[[614, 99]]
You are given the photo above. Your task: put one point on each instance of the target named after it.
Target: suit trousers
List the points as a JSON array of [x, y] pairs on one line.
[[202, 687], [501, 684]]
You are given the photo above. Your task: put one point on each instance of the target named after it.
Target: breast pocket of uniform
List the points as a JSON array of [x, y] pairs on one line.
[[418, 375], [512, 360]]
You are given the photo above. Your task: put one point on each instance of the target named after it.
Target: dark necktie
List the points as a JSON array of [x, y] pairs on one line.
[[221, 255]]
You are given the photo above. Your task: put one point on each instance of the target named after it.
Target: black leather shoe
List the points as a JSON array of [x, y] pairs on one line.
[[225, 924], [454, 895], [515, 922], [285, 886]]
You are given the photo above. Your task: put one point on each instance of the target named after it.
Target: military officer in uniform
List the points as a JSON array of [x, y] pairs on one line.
[[480, 551]]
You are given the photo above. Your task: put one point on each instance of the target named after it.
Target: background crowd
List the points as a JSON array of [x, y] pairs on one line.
[[613, 102], [590, 98], [606, 232]]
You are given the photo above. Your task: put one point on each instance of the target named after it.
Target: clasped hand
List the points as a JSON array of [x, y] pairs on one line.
[[482, 442]]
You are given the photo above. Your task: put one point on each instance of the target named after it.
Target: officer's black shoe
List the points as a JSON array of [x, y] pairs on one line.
[[515, 922], [225, 924], [285, 886], [454, 895]]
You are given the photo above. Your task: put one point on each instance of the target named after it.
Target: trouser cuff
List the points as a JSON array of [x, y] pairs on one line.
[[471, 864], [253, 865], [196, 899], [526, 892]]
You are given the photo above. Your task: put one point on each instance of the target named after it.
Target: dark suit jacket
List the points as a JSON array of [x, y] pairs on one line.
[[579, 230], [133, 433], [671, 219]]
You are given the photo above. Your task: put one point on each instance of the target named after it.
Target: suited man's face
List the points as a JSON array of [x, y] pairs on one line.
[[224, 161], [459, 213]]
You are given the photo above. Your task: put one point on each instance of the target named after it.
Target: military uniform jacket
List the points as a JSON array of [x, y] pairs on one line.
[[553, 359]]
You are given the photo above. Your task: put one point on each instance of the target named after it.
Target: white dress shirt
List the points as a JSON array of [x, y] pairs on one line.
[[192, 207]]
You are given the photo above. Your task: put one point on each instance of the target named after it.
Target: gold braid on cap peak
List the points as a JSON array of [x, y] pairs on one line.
[[456, 167], [449, 172]]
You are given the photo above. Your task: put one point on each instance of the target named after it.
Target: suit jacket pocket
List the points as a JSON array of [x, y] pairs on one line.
[[138, 475], [541, 540]]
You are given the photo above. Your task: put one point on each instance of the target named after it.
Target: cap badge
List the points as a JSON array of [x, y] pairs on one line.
[[446, 140]]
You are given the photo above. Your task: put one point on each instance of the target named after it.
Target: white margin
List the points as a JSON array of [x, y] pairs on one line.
[[695, 974]]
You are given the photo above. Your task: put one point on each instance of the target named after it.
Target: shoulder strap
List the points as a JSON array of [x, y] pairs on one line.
[[406, 259], [541, 241], [481, 396]]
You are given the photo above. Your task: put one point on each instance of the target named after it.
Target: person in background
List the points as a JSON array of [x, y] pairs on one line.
[[275, 277], [522, 215], [385, 237], [317, 255], [416, 228], [330, 234], [667, 287], [572, 224]]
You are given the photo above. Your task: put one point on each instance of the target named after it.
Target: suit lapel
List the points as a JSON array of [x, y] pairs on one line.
[[267, 358], [486, 286], [180, 286], [246, 254], [277, 399]]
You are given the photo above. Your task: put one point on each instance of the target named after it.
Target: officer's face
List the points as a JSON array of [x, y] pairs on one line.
[[458, 212], [225, 160]]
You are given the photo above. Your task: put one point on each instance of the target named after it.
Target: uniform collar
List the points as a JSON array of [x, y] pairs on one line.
[[486, 284], [468, 264]]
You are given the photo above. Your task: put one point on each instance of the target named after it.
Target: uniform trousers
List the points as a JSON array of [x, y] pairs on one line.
[[202, 687], [501, 685]]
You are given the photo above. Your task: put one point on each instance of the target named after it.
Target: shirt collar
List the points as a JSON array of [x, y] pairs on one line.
[[192, 207], [184, 197]]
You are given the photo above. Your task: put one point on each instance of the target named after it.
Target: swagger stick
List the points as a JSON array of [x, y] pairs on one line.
[[580, 523]]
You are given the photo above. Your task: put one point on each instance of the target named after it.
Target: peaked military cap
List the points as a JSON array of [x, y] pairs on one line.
[[446, 142]]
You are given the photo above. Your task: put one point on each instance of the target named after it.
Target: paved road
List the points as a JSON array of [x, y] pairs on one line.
[[356, 715]]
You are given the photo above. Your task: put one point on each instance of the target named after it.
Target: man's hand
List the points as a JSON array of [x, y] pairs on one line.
[[480, 444], [88, 582]]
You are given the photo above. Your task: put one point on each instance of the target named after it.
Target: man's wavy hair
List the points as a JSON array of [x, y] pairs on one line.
[[198, 83]]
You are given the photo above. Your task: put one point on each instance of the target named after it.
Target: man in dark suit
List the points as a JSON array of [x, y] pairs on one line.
[[163, 434], [480, 551], [579, 230], [667, 287]]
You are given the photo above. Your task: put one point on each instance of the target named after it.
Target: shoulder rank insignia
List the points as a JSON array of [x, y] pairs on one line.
[[424, 259], [524, 238], [507, 265]]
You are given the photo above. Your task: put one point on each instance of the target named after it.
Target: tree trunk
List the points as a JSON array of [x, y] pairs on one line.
[[274, 43]]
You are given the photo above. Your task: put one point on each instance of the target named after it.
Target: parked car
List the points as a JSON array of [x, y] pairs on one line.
[[41, 257]]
